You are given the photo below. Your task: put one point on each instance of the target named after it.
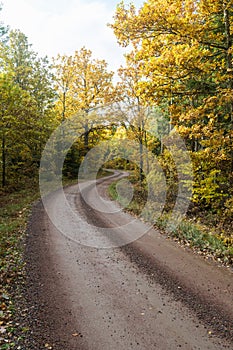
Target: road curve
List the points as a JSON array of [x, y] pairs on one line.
[[148, 294]]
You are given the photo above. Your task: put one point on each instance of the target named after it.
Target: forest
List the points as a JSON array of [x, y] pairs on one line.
[[177, 80]]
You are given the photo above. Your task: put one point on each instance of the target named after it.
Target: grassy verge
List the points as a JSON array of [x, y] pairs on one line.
[[90, 176], [205, 239], [14, 211], [201, 238], [112, 191]]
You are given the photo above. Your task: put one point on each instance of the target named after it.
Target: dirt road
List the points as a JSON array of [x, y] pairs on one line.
[[148, 294]]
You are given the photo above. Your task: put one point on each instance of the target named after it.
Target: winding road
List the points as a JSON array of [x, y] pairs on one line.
[[100, 281]]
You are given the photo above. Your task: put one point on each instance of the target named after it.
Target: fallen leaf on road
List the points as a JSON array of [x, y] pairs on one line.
[[2, 330]]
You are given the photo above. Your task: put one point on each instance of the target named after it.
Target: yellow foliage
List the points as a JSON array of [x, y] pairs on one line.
[[183, 50]]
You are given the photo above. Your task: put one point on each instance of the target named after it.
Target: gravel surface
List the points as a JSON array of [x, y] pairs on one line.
[[147, 294]]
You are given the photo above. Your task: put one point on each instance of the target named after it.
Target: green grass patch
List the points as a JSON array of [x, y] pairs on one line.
[[112, 191], [89, 176], [204, 238], [200, 238], [103, 173], [14, 211]]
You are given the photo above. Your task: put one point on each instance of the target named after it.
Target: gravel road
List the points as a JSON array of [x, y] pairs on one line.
[[146, 294]]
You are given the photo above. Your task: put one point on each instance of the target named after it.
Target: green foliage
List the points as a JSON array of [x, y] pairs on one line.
[[112, 191], [183, 57], [72, 163], [26, 117]]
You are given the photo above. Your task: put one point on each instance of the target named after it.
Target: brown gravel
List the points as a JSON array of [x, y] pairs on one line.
[[150, 294]]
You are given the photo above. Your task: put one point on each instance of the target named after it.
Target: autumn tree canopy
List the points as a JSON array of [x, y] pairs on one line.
[[84, 87], [185, 51], [26, 103]]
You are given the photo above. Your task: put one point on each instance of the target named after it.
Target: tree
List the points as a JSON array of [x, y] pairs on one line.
[[133, 110], [185, 51], [27, 116], [84, 87], [63, 77], [85, 84], [32, 73], [17, 132]]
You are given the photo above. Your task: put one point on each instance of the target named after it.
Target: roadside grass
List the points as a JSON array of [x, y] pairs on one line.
[[93, 175], [112, 191], [14, 211], [67, 181], [205, 239], [103, 173], [201, 238]]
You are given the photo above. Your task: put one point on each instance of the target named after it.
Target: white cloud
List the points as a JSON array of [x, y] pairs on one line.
[[61, 26]]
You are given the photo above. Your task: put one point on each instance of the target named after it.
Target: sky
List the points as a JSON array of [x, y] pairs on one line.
[[63, 26]]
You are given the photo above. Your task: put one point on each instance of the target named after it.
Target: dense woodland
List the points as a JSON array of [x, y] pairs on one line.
[[178, 76]]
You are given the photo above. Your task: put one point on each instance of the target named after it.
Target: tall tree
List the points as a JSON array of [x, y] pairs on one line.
[[27, 106], [84, 87], [30, 72], [17, 132], [133, 109], [186, 50], [63, 78]]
